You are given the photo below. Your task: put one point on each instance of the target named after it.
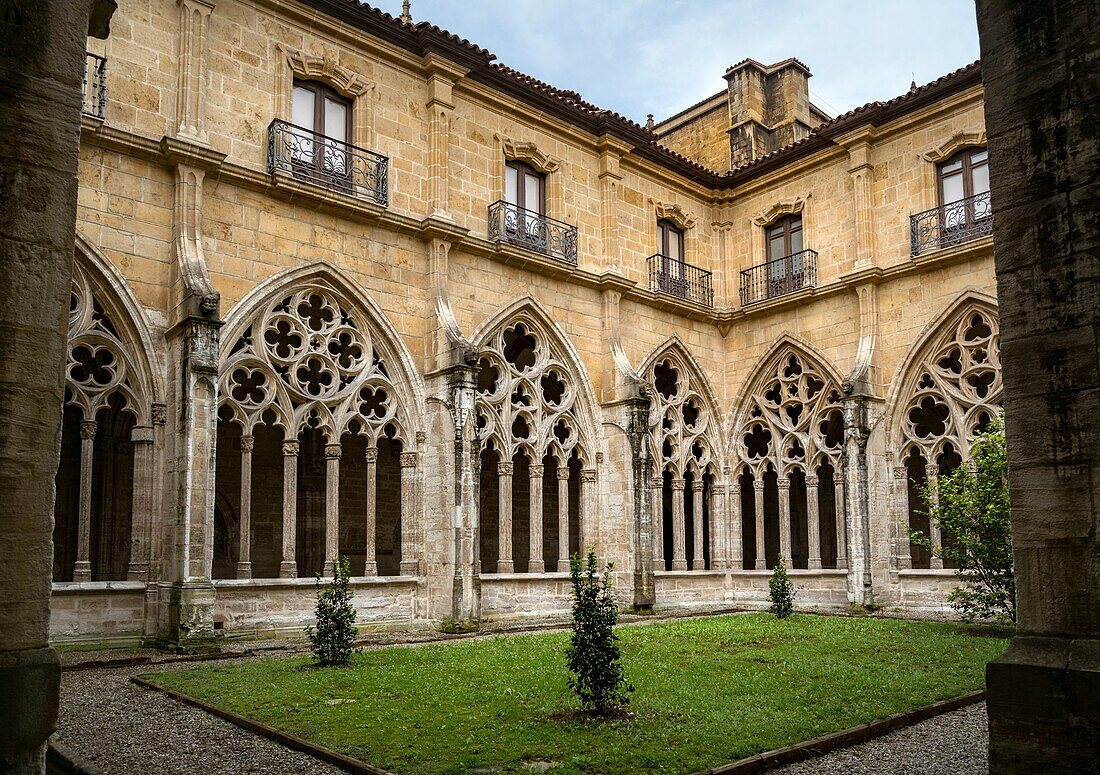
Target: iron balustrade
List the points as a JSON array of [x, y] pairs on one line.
[[529, 229], [323, 161], [779, 277], [951, 224], [678, 278], [94, 85]]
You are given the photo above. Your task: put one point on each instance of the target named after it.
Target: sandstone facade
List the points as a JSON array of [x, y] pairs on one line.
[[272, 361]]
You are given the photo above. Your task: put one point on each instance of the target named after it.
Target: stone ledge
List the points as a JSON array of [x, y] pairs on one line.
[[944, 573], [491, 577], [76, 587], [356, 581]]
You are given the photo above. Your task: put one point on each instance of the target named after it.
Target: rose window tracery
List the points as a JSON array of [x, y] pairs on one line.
[[311, 360], [679, 422], [794, 419]]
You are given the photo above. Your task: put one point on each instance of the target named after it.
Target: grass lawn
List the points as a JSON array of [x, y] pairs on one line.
[[708, 691]]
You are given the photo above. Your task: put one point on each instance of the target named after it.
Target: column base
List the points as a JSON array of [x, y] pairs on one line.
[[813, 563], [842, 563], [506, 566], [30, 681], [370, 568], [563, 566], [138, 571], [244, 570], [82, 570], [761, 565], [190, 627], [1044, 706], [288, 570], [410, 568], [679, 564], [699, 565], [936, 563], [536, 566]]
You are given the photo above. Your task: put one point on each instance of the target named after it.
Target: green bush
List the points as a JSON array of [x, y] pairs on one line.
[[333, 639], [972, 511], [593, 652], [781, 591]]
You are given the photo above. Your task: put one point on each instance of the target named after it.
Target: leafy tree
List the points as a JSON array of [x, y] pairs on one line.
[[333, 639], [972, 511], [593, 652], [781, 591]]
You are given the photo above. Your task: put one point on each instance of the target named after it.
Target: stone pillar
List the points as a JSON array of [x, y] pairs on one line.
[[244, 558], [332, 506], [370, 567], [719, 533], [441, 74], [901, 512], [142, 509], [857, 520], [698, 560], [656, 490], [785, 520], [191, 74], [736, 553], [758, 492], [679, 550], [841, 530], [288, 568], [537, 563], [563, 519], [1042, 107], [410, 556], [82, 570], [813, 524], [932, 478], [43, 46], [461, 382], [647, 519], [587, 493], [504, 516]]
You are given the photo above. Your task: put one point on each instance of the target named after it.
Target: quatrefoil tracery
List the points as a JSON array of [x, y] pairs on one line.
[[679, 420]]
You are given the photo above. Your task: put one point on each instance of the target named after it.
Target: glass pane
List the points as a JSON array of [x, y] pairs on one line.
[[336, 120], [300, 144], [977, 156], [532, 188], [952, 188], [980, 179], [796, 240], [954, 166], [775, 247], [511, 185], [675, 245]]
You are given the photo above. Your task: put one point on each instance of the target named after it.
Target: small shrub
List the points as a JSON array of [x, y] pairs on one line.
[[333, 639], [972, 512], [781, 591], [593, 653]]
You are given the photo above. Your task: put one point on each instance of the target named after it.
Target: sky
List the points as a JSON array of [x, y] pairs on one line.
[[660, 56]]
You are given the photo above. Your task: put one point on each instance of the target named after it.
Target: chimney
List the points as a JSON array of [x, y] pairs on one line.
[[769, 107]]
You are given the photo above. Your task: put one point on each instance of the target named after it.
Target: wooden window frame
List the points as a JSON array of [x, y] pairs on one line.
[[967, 172], [789, 278], [956, 225], [315, 169], [672, 275], [523, 169]]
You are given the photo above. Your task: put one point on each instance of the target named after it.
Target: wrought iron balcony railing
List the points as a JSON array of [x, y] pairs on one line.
[[322, 161], [95, 85], [779, 277], [529, 229], [951, 224], [677, 278]]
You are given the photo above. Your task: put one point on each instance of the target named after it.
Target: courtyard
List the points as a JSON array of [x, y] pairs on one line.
[[708, 691]]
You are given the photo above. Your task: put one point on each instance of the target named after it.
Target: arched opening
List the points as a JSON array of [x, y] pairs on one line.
[[521, 513], [827, 516], [748, 519], [799, 527], [916, 478], [771, 518], [488, 514]]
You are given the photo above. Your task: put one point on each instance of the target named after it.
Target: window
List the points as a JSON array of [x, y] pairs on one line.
[[785, 257], [963, 189], [323, 125], [670, 241], [525, 187]]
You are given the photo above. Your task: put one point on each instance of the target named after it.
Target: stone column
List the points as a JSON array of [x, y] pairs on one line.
[[288, 568], [244, 558], [537, 563], [736, 551], [504, 516], [758, 492], [932, 476], [441, 74], [718, 526], [698, 560], [841, 530], [370, 568], [410, 562], [82, 570], [563, 519], [656, 490], [142, 509], [679, 551], [332, 506], [1042, 106], [43, 46], [587, 492], [901, 513], [813, 524], [785, 520], [191, 75]]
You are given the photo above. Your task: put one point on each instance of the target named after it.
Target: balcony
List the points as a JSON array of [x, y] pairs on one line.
[[952, 224], [332, 164], [95, 85], [779, 277], [677, 278], [532, 230]]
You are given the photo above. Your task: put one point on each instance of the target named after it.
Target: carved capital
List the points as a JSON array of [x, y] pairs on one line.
[[159, 413], [677, 484], [371, 455], [657, 482], [563, 473], [588, 476], [505, 468], [783, 484], [290, 448], [333, 451], [409, 459], [421, 437], [87, 429], [838, 477], [537, 470], [697, 485], [248, 443], [758, 485], [931, 471], [901, 472], [811, 481]]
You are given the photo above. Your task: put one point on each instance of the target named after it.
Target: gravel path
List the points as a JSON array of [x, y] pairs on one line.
[[955, 743]]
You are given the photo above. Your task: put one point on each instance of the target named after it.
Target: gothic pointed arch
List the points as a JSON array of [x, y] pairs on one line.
[[109, 350], [534, 395], [308, 349], [684, 420], [949, 386], [790, 415]]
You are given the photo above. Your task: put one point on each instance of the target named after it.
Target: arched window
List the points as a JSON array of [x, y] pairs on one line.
[[964, 175]]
